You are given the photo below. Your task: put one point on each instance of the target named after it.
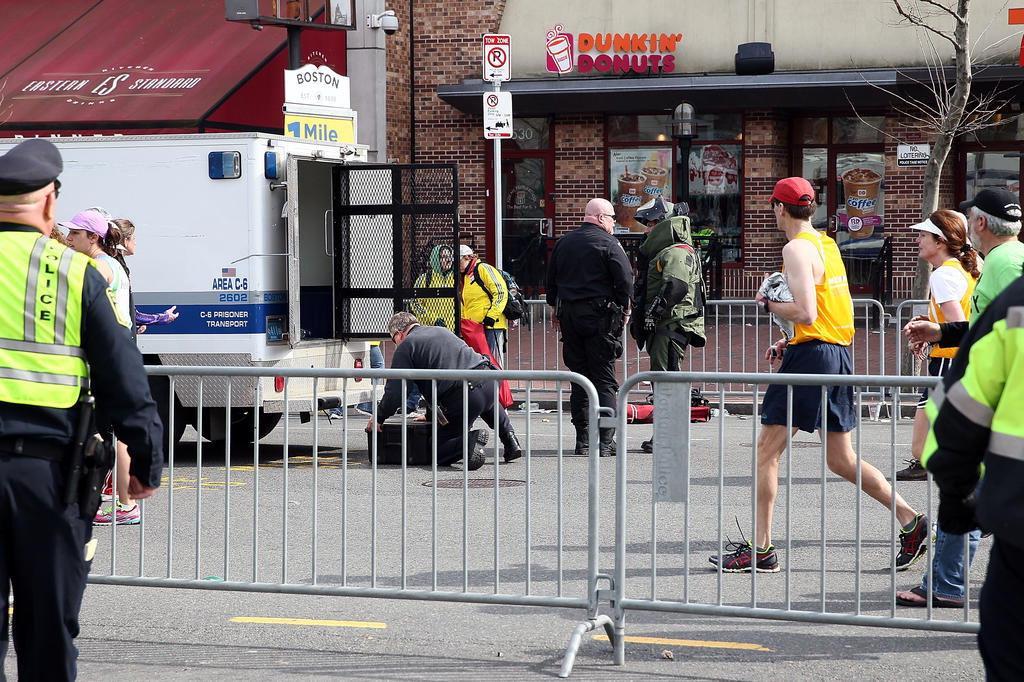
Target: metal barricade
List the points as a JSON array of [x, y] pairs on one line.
[[738, 334], [901, 316], [685, 517], [315, 520]]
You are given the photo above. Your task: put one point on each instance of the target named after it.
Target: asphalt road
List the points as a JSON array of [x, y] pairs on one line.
[[324, 517]]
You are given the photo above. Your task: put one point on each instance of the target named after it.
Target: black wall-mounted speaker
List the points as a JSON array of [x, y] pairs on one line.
[[754, 59]]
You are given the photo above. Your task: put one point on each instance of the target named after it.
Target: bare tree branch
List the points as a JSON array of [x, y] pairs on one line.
[[945, 9], [870, 125], [919, 21]]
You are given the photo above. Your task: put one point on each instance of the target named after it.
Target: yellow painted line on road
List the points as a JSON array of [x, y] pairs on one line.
[[697, 643], [261, 620]]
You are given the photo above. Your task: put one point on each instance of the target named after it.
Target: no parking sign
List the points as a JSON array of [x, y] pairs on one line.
[[497, 57]]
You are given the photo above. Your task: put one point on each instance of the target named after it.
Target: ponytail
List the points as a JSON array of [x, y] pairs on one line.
[[954, 235]]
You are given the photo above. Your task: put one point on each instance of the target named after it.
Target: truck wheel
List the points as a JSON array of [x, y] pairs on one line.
[[159, 387], [242, 422]]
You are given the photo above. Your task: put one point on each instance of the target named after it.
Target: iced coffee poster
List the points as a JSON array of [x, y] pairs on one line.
[[638, 175], [860, 212], [714, 169]]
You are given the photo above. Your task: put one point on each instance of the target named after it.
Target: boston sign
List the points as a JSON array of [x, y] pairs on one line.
[[611, 53]]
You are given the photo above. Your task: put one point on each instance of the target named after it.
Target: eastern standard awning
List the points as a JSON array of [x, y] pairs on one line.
[[126, 65], [784, 89]]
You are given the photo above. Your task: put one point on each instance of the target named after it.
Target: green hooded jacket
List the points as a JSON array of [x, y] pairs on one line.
[[669, 250]]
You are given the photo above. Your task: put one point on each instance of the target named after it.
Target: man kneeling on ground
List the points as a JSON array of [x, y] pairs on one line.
[[431, 347]]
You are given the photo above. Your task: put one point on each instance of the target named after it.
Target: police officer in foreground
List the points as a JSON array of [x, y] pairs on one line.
[[431, 347], [975, 452], [670, 307], [60, 338], [590, 285]]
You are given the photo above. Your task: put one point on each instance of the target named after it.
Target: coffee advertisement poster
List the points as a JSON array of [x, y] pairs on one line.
[[639, 175], [861, 203]]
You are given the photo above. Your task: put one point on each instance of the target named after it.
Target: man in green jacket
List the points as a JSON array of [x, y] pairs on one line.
[[673, 302]]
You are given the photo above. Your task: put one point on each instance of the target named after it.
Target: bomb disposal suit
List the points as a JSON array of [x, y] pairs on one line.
[[673, 303]]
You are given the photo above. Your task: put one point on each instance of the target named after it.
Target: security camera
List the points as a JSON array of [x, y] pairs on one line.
[[387, 21]]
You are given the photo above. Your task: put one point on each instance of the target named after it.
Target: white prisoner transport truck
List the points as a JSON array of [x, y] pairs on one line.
[[276, 253]]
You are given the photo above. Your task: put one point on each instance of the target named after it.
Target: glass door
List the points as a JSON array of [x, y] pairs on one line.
[[989, 169], [860, 212], [526, 218]]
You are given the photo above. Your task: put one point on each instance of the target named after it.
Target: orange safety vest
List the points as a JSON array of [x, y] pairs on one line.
[[935, 311], [834, 323]]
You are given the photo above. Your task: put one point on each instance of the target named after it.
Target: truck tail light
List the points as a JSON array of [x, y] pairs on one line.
[[279, 384]]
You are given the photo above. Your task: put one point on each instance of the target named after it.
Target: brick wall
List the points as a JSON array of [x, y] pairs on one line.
[[765, 160], [579, 167], [446, 50], [903, 188], [399, 86]]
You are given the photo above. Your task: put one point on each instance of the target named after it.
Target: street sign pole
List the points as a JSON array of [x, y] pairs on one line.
[[497, 67], [497, 197]]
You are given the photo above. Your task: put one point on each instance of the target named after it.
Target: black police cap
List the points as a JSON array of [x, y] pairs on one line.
[[31, 165]]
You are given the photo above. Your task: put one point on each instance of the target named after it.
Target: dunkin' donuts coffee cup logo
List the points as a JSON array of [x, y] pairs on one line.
[[560, 51], [605, 53]]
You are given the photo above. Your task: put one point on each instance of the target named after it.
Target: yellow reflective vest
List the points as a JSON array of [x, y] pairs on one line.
[[976, 418], [42, 362]]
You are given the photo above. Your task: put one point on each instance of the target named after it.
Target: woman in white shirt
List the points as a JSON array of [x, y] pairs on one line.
[[942, 242]]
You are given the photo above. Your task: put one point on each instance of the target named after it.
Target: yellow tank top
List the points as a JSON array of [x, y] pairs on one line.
[[834, 323], [935, 312]]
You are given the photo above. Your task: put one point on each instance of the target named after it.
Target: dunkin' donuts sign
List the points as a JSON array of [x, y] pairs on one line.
[[610, 53]]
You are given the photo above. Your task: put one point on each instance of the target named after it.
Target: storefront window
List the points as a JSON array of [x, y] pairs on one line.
[[810, 130], [638, 175], [848, 176], [655, 128], [1005, 126], [715, 199], [854, 130], [815, 169], [861, 202], [530, 133], [642, 166], [992, 169]]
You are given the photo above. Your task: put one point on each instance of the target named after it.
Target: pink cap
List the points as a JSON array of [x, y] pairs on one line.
[[90, 221]]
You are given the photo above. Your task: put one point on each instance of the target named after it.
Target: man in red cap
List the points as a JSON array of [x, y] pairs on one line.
[[822, 317]]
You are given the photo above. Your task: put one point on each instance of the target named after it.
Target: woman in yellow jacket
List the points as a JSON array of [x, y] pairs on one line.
[[484, 296], [441, 275]]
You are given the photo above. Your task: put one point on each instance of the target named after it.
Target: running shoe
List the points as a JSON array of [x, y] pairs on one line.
[[124, 516], [737, 557], [913, 543], [913, 472]]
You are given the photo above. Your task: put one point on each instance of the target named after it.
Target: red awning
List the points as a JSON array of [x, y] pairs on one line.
[[129, 65]]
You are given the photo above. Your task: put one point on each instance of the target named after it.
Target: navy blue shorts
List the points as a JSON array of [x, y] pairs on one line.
[[812, 357]]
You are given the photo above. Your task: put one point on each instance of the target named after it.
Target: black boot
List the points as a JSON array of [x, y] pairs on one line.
[[513, 450], [607, 442], [582, 448], [477, 441]]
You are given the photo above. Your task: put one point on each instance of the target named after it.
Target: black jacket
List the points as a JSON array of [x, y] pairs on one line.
[[589, 263], [427, 347]]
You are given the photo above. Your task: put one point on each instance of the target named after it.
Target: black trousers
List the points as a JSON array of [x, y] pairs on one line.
[[481, 402], [1002, 613], [42, 556], [591, 343]]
